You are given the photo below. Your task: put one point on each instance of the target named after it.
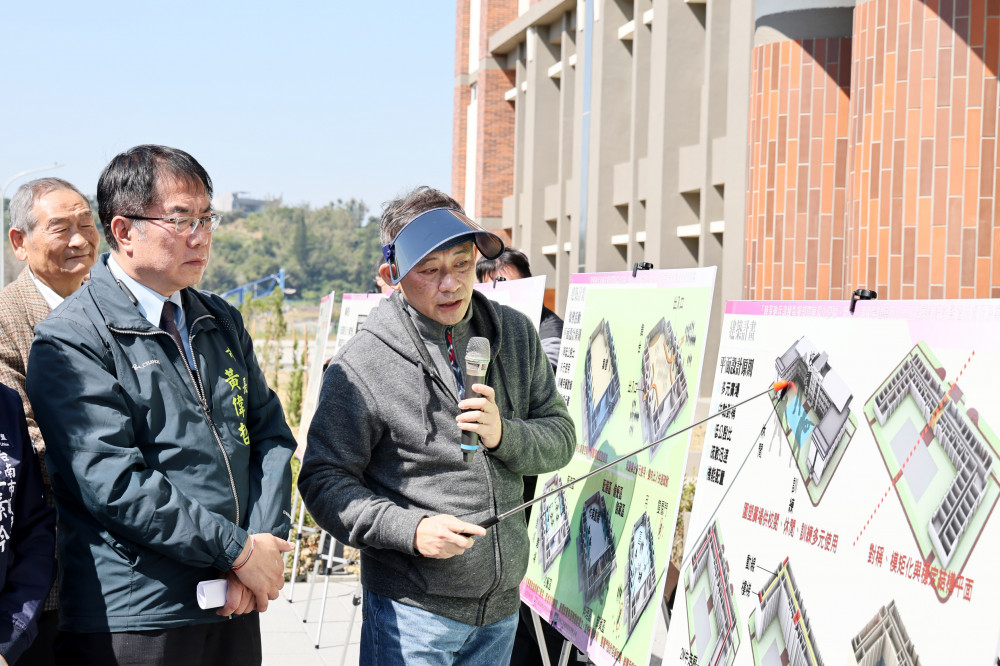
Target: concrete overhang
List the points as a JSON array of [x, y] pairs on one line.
[[541, 13]]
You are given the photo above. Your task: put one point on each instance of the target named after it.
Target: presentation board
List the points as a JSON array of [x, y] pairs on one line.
[[629, 367], [848, 520], [315, 371], [354, 309], [526, 295]]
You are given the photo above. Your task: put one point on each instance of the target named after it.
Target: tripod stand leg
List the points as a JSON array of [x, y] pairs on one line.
[[540, 637], [298, 548], [350, 623], [322, 605], [319, 560]]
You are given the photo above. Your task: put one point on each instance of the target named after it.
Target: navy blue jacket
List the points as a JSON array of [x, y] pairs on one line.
[[27, 532], [159, 472]]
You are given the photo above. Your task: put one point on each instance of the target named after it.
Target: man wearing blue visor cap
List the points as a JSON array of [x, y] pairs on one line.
[[384, 468]]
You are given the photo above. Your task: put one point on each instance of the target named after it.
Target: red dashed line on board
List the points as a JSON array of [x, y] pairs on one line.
[[920, 439]]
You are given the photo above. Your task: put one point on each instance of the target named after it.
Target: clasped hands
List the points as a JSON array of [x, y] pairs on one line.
[[259, 578]]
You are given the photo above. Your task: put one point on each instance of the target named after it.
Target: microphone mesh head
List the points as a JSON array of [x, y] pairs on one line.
[[478, 348]]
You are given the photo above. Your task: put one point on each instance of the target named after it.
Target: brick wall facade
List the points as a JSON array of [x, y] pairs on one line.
[[495, 147], [797, 177], [495, 117], [925, 160], [461, 100], [884, 177]]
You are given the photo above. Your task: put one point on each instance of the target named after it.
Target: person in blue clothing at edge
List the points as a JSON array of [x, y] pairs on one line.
[[384, 470], [27, 533], [168, 453]]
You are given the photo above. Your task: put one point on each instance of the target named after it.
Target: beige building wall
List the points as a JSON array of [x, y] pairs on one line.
[[625, 139]]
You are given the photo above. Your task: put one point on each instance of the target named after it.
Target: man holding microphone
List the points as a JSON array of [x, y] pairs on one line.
[[387, 468]]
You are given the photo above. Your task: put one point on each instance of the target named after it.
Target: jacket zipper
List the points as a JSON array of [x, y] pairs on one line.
[[498, 560], [200, 394], [496, 540]]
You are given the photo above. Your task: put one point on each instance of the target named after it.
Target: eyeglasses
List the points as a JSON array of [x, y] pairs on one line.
[[186, 225]]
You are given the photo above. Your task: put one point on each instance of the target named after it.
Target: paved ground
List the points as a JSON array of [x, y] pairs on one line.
[[288, 640]]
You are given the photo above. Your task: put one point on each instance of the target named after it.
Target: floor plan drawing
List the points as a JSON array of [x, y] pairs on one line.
[[713, 622], [602, 385], [884, 641], [941, 458], [814, 413], [553, 524], [663, 385], [780, 632]]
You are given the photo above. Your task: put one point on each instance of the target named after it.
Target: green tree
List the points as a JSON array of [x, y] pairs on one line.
[[294, 406]]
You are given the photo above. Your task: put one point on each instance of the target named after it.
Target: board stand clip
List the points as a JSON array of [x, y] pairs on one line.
[[859, 295], [641, 266]]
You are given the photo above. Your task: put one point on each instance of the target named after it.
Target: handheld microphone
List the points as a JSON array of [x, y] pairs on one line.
[[477, 359]]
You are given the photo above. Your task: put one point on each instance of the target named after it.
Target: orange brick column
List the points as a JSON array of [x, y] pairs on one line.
[[461, 100], [797, 169], [923, 215]]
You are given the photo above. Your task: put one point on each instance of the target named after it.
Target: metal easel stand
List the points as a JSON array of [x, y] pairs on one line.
[[331, 563], [299, 528], [567, 646], [564, 653]]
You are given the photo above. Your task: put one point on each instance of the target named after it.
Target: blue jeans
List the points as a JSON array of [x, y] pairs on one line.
[[394, 633]]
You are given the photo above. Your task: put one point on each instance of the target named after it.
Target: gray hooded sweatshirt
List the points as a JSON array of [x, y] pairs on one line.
[[383, 453]]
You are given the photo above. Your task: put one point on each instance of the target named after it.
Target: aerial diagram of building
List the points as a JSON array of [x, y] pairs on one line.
[[601, 384], [824, 392], [781, 600], [708, 557], [595, 547], [963, 446], [553, 524], [884, 641], [662, 387], [640, 573]]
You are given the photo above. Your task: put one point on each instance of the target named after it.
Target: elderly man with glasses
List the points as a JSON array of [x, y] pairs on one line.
[[168, 453]]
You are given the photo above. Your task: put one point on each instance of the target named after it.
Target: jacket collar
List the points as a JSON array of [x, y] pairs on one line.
[[119, 311], [35, 306]]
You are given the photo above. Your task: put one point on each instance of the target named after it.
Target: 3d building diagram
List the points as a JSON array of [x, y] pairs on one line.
[[640, 572], [779, 629], [884, 641], [814, 413], [712, 619], [662, 386], [940, 455], [602, 386], [553, 524], [595, 547]]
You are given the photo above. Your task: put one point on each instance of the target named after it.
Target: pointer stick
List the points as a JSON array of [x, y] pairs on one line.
[[777, 387]]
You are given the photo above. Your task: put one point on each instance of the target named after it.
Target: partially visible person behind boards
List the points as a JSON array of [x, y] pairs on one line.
[[513, 265]]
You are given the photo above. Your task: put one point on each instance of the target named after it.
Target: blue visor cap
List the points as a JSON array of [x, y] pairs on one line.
[[437, 229]]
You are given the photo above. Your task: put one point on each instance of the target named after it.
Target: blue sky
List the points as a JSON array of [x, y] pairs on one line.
[[312, 101]]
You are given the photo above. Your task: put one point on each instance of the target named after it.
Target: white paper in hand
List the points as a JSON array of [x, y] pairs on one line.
[[212, 593]]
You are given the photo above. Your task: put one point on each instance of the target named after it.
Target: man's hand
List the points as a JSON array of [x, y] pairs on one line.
[[482, 417], [444, 536], [239, 599], [264, 573]]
